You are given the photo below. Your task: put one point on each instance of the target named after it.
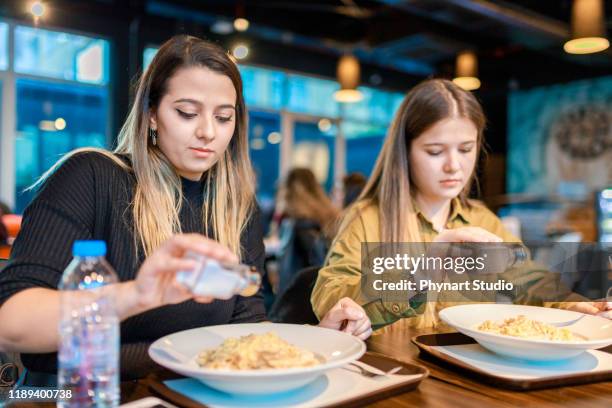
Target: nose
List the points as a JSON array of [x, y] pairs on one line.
[[206, 129], [451, 164]]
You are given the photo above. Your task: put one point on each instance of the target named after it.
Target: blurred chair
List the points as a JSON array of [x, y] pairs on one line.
[[292, 305], [303, 245], [12, 222]]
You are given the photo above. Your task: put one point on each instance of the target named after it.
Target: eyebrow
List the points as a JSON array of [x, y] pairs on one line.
[[195, 102]]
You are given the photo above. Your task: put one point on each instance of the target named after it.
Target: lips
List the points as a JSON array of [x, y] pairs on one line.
[[450, 182], [202, 152], [202, 149]]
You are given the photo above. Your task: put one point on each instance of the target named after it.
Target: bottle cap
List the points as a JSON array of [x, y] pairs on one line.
[[89, 248], [252, 284]]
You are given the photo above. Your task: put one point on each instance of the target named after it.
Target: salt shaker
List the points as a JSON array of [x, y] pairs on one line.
[[219, 280]]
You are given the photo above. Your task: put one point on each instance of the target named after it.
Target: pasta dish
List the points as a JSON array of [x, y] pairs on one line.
[[256, 351], [521, 326]]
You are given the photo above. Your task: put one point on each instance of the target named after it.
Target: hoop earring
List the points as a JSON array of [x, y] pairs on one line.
[[153, 134]]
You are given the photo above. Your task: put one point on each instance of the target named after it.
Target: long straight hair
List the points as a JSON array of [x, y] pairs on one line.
[[390, 186], [228, 193], [305, 198]]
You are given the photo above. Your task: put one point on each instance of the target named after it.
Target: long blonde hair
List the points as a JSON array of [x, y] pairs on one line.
[[305, 198], [390, 186], [228, 193]]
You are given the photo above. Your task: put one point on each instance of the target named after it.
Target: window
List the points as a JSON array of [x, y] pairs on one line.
[[363, 144], [264, 146], [61, 55], [263, 88], [312, 95], [3, 46], [315, 150], [365, 127], [53, 119], [147, 56], [61, 100]]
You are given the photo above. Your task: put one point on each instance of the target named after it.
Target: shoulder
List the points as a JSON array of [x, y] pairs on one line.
[[98, 160], [88, 161], [82, 169], [361, 221], [363, 210]]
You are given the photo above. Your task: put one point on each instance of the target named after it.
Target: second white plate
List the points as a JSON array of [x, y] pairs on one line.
[[466, 318]]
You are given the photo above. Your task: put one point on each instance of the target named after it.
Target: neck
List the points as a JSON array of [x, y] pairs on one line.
[[435, 210]]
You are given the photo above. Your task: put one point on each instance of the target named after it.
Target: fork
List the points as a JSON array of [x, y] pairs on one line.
[[567, 323], [369, 372]]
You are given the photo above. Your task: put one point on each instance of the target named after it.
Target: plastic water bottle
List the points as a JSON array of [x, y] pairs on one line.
[[88, 356], [219, 280]]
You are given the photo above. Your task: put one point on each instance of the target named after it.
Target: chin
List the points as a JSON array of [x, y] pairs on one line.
[[199, 166], [449, 195]]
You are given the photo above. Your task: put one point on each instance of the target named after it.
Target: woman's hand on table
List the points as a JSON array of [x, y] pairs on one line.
[[155, 284], [603, 309], [349, 317]]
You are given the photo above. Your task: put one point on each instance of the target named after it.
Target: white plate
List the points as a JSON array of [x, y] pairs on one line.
[[336, 348], [466, 318]]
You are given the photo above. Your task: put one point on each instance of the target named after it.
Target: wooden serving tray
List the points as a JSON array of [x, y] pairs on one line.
[[377, 360], [430, 346]]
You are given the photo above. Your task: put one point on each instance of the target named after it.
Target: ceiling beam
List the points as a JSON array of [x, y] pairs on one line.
[[517, 17]]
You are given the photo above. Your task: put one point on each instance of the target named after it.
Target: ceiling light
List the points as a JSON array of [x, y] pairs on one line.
[[348, 73], [37, 9], [60, 123], [47, 125], [588, 28], [324, 125], [274, 138], [466, 71], [258, 144], [241, 24], [240, 51]]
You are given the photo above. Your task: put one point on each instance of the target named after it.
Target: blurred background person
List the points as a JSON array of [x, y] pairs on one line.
[[308, 224], [353, 184]]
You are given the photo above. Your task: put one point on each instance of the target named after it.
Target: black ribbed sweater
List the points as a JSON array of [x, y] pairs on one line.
[[89, 197]]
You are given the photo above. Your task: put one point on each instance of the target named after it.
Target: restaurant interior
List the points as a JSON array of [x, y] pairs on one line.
[[322, 82]]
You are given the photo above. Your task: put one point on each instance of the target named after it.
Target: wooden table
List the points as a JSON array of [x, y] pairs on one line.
[[447, 388], [444, 387]]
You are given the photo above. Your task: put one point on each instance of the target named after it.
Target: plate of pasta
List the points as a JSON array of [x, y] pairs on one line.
[[527, 332], [256, 358]]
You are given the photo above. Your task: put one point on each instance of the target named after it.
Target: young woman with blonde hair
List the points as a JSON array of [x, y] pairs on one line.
[[179, 180], [418, 192]]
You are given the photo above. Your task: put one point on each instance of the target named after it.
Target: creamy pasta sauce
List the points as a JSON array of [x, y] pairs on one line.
[[521, 326], [256, 351]]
